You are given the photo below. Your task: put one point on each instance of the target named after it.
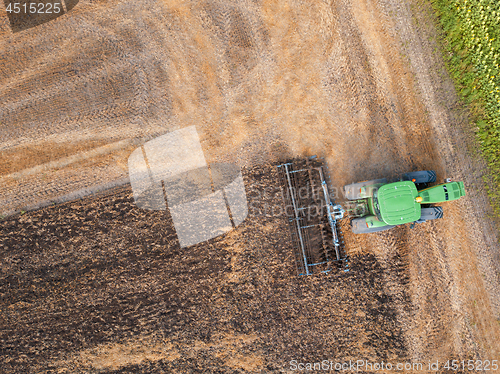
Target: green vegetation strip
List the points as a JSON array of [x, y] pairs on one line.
[[472, 32]]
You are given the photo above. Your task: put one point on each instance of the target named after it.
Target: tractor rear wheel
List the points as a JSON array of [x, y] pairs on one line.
[[358, 226], [352, 191]]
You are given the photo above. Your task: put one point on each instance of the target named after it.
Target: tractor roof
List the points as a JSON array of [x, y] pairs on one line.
[[397, 203]]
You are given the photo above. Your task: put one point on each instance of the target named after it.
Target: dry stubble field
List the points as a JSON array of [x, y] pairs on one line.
[[98, 285]]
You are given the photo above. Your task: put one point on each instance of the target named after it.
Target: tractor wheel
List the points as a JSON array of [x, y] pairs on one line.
[[351, 191], [358, 226], [421, 178], [431, 213]]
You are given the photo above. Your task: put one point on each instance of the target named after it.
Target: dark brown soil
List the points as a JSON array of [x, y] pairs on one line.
[[99, 271]]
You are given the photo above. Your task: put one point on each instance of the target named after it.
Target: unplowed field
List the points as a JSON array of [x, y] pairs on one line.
[[99, 285]]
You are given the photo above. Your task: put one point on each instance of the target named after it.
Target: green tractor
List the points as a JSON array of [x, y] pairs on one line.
[[378, 205]]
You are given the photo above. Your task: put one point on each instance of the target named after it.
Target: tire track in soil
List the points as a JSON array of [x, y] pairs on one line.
[[383, 138], [442, 327], [469, 238], [110, 90]]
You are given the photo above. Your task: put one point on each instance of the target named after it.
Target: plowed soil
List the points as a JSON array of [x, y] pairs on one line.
[[100, 284], [97, 285]]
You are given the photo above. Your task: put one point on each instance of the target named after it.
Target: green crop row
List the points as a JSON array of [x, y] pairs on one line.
[[472, 42]]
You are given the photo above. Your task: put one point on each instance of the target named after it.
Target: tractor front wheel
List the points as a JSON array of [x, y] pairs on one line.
[[421, 178]]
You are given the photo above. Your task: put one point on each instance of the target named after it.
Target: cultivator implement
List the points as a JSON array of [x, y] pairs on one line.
[[313, 217]]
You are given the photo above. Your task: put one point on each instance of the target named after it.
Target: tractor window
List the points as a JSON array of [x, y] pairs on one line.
[[446, 197]]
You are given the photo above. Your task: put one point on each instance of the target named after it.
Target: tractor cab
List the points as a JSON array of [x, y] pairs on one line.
[[396, 203]]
